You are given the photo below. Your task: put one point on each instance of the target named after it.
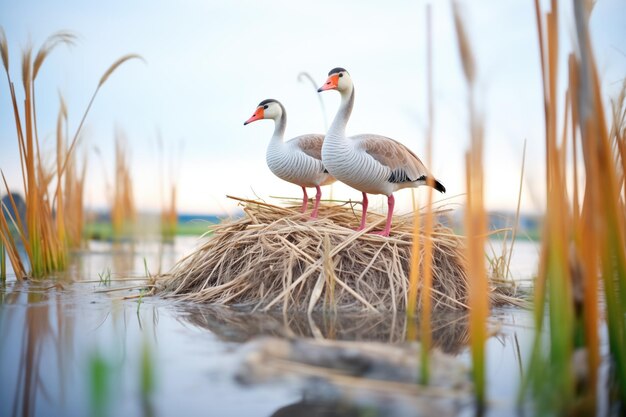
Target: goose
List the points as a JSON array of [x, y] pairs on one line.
[[298, 160], [372, 164]]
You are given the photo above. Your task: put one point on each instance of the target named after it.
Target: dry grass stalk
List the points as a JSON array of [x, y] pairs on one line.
[[60, 214], [4, 50], [554, 276], [46, 243], [103, 79], [475, 218], [61, 37], [74, 202], [427, 272], [603, 159], [617, 136], [169, 215], [273, 258], [168, 191], [581, 243], [123, 212], [3, 261]]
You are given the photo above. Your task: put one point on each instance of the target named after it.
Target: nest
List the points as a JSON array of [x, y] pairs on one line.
[[276, 258]]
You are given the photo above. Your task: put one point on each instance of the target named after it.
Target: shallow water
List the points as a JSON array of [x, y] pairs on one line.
[[68, 346]]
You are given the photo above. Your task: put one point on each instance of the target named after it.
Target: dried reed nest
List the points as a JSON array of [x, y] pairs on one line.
[[276, 258]]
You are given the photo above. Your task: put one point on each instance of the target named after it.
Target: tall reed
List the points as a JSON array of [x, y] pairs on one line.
[[420, 267], [70, 190], [44, 235], [169, 195], [582, 242], [425, 322], [3, 260], [123, 213], [475, 219], [74, 191], [169, 214]]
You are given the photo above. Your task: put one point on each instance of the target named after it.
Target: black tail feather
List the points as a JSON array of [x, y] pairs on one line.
[[437, 186]]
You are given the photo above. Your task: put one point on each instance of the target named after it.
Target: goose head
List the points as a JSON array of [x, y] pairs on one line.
[[338, 79], [267, 109]]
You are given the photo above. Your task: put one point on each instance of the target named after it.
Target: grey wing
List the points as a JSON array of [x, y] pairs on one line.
[[403, 164], [310, 144]]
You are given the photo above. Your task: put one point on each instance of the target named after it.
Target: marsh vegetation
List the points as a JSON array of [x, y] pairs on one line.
[[430, 320]]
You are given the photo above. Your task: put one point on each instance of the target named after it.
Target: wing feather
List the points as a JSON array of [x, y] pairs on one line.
[[404, 165], [310, 144]]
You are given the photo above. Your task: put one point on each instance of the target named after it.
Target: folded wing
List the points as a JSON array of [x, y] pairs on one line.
[[404, 165]]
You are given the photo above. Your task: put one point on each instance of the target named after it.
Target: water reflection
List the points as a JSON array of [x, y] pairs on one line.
[[41, 333], [63, 343], [314, 408], [450, 328], [59, 342]]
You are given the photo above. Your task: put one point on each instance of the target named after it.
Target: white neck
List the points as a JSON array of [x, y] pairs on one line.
[[338, 127], [280, 123]]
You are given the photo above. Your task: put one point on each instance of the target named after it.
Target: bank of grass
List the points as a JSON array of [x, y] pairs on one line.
[[103, 230]]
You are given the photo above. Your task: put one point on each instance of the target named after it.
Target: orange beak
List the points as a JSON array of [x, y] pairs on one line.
[[258, 115], [331, 83]]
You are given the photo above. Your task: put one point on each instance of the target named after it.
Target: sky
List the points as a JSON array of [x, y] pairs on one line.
[[209, 63]]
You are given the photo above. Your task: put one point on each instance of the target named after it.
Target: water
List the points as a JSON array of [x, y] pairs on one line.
[[67, 344]]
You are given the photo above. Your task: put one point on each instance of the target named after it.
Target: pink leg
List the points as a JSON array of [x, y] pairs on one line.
[[364, 214], [391, 202], [305, 200], [318, 197]]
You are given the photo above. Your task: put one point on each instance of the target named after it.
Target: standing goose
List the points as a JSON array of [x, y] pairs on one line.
[[369, 163], [298, 160]]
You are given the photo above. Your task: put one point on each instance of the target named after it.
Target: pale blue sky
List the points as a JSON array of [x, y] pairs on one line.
[[210, 63]]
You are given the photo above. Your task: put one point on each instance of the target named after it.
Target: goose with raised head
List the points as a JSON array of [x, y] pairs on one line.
[[372, 164], [298, 160]]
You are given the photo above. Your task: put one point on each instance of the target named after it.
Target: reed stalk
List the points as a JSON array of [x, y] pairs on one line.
[[582, 242], [554, 283], [44, 234], [169, 215], [414, 267], [7, 223], [75, 200], [59, 195], [70, 188], [475, 219], [602, 161], [123, 212], [3, 261], [507, 272], [425, 322], [169, 194]]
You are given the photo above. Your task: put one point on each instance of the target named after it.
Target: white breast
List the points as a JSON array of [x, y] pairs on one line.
[[354, 167], [289, 163]]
